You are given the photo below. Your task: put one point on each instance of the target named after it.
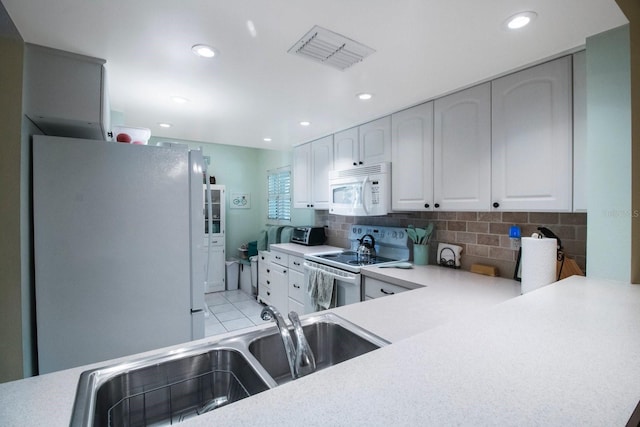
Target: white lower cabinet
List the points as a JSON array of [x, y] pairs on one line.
[[273, 279], [298, 299], [374, 288], [272, 285], [215, 267]]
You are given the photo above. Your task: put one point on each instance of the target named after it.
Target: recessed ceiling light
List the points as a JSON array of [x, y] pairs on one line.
[[365, 96], [179, 99], [164, 125], [266, 139], [203, 50], [305, 123], [520, 20]]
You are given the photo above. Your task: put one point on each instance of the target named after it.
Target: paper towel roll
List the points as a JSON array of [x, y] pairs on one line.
[[538, 263]]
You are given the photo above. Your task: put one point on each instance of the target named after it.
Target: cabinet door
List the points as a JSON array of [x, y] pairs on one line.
[[301, 174], [279, 288], [579, 132], [216, 267], [322, 162], [374, 288], [296, 306], [296, 286], [375, 141], [462, 150], [531, 142], [346, 149], [412, 158], [215, 194]]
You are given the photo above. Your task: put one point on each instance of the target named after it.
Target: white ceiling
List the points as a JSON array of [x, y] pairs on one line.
[[255, 89]]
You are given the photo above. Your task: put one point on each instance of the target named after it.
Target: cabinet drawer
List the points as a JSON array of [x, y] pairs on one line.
[[280, 258], [296, 286], [264, 257], [296, 263], [374, 288]]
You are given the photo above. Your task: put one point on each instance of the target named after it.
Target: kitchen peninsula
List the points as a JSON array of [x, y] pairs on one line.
[[565, 354]]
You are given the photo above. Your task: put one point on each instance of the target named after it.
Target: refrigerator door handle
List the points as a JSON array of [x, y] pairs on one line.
[[196, 311]]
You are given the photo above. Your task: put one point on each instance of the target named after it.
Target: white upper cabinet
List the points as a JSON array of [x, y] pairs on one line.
[[462, 150], [375, 141], [301, 175], [367, 144], [412, 158], [65, 93], [531, 142], [322, 163], [311, 165], [579, 132], [346, 149]]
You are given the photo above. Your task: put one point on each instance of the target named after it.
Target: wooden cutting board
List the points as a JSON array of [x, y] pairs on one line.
[[570, 268]]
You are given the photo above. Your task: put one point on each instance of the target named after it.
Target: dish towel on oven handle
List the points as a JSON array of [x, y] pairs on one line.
[[320, 287]]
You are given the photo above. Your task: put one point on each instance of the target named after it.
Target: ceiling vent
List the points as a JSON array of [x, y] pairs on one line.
[[333, 49]]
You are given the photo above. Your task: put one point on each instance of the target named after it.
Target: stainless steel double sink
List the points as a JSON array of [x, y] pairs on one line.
[[170, 387]]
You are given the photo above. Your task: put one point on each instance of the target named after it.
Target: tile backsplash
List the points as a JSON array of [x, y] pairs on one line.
[[484, 236]]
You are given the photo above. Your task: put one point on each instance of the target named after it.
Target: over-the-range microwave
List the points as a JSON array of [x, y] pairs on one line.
[[361, 191]]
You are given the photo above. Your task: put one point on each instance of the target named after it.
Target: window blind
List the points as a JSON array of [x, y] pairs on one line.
[[279, 203]]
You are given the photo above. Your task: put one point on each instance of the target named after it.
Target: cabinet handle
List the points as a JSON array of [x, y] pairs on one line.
[[268, 293], [496, 204], [437, 205], [385, 292], [268, 271], [284, 271], [296, 286], [355, 164], [426, 205], [296, 263]]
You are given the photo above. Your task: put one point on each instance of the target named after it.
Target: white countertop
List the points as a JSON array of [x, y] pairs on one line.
[[565, 354]]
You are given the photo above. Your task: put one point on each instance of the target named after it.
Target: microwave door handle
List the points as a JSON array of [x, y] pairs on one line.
[[364, 195]]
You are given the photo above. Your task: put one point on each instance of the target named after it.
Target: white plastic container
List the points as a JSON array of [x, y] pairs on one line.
[[138, 136], [254, 274], [233, 273], [245, 278]]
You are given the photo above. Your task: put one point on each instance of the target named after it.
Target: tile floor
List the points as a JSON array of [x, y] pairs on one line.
[[230, 311]]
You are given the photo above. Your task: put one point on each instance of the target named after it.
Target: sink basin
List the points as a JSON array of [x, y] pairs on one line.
[[330, 341], [166, 390], [170, 387]]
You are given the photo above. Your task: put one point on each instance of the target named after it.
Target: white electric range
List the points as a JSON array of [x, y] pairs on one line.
[[390, 245]]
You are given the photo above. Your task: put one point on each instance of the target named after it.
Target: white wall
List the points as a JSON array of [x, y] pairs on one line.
[[609, 155]]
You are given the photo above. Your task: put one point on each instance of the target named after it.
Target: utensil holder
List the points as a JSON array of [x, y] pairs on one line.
[[421, 254]]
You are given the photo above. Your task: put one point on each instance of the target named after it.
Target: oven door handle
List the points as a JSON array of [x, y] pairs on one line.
[[339, 275]]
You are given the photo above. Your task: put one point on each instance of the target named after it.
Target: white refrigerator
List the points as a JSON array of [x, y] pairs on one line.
[[118, 235]]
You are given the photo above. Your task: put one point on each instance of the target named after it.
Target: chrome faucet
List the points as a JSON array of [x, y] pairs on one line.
[[300, 358]]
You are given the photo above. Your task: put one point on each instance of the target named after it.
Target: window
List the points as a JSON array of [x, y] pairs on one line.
[[279, 199]]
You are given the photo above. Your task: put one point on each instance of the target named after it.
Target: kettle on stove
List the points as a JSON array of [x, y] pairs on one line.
[[366, 250]]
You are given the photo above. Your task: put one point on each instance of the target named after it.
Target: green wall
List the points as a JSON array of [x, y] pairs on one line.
[[244, 170], [609, 182]]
